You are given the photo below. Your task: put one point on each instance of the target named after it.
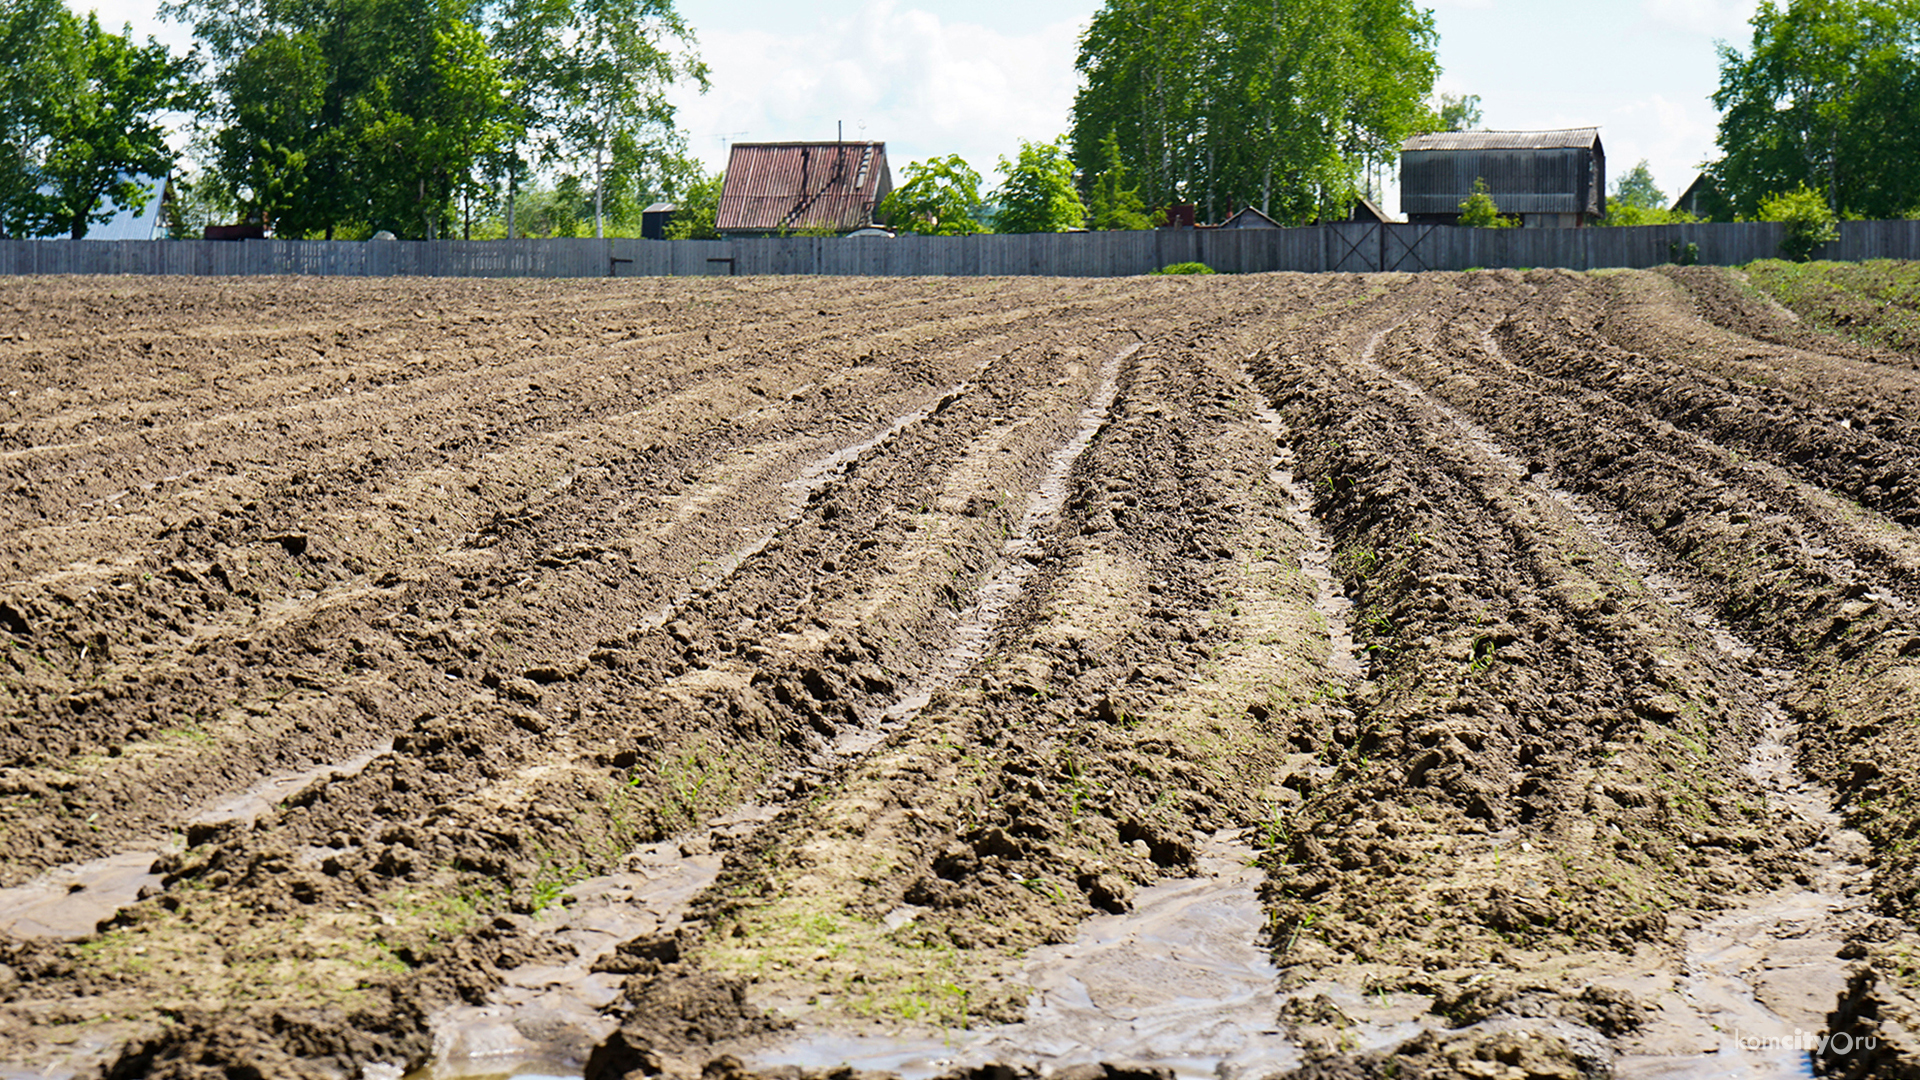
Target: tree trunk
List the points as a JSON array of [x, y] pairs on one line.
[[599, 232]]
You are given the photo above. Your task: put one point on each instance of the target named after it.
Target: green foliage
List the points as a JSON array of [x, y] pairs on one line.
[[1825, 96], [39, 53], [1683, 254], [346, 116], [1809, 221], [1228, 102], [1115, 205], [941, 197], [1876, 302], [1625, 214], [1637, 189], [1038, 195], [197, 202], [1479, 211], [598, 92], [79, 119], [1459, 112], [697, 210], [1184, 268]]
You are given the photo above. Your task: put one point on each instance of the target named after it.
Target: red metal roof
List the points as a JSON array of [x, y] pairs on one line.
[[777, 187]]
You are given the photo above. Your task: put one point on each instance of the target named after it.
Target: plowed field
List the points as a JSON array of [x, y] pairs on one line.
[[630, 678]]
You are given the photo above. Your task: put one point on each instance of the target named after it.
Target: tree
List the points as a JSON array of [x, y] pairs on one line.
[[1807, 217], [591, 78], [361, 114], [697, 210], [1479, 211], [1636, 188], [1114, 204], [1637, 200], [1038, 195], [277, 122], [428, 148], [105, 143], [1826, 97], [941, 197], [1459, 112], [39, 66], [349, 114], [1218, 102]]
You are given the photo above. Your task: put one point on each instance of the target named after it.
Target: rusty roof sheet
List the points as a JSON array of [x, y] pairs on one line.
[[774, 187], [1505, 140]]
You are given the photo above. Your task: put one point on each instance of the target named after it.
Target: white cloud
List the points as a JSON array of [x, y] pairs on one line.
[[923, 85], [1674, 137]]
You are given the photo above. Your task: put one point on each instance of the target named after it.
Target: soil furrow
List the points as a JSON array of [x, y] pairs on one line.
[[1858, 450], [512, 746], [802, 669]]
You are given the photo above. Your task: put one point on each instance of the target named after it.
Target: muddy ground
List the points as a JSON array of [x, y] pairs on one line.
[[1548, 644]]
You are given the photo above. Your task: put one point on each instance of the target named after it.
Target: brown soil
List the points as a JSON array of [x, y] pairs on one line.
[[477, 586]]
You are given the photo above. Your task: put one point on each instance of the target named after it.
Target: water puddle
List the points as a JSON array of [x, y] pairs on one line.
[[67, 903], [274, 790], [1756, 978], [544, 1021], [1182, 982]]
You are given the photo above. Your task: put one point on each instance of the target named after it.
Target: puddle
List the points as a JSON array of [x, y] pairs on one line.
[[544, 1021], [68, 903], [1756, 978], [1183, 982], [274, 790]]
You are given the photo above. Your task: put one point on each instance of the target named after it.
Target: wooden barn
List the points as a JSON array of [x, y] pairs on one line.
[[1547, 179], [775, 189]]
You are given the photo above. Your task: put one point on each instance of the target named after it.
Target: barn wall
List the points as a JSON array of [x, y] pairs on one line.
[[1343, 247]]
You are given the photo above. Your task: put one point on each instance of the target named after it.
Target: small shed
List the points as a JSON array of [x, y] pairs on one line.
[[1547, 179], [776, 188], [1703, 200], [1367, 212], [655, 219]]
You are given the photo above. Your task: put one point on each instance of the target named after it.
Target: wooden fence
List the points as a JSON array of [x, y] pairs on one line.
[[1330, 248]]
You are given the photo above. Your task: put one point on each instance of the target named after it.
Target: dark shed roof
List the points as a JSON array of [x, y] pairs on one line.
[[772, 187], [1527, 172], [1565, 138]]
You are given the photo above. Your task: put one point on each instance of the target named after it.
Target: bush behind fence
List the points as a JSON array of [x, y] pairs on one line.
[[1328, 248]]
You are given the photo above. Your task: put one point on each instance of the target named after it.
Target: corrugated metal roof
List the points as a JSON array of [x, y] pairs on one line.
[[1566, 138], [775, 187], [126, 223]]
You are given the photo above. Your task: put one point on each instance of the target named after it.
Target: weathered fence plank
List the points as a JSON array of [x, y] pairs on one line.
[[1343, 247]]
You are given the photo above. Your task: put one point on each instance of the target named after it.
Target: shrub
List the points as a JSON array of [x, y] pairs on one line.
[[1184, 268], [1479, 211], [1809, 220]]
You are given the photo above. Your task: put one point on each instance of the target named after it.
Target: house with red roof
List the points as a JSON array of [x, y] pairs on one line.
[[775, 189]]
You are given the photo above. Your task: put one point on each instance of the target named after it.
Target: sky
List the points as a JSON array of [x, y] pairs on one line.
[[973, 77]]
